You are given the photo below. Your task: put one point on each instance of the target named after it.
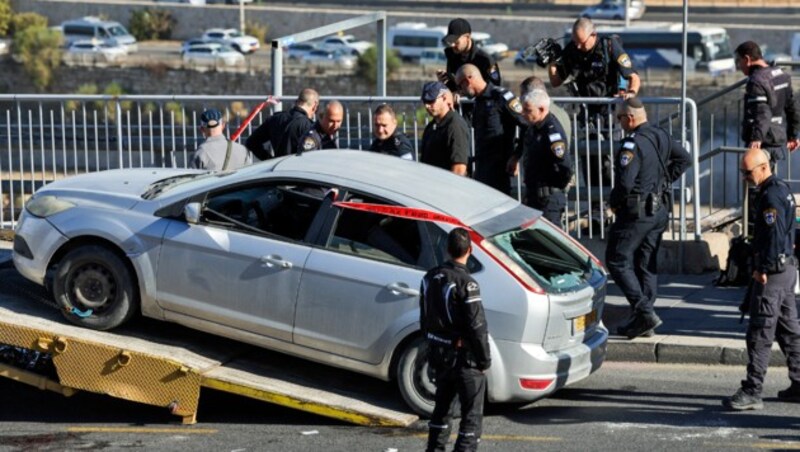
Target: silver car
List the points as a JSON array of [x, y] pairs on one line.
[[319, 256]]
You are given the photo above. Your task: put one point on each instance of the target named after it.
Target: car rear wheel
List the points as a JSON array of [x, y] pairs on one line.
[[415, 377], [94, 288]]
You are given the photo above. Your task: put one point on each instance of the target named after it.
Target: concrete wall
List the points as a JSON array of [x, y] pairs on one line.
[[192, 20]]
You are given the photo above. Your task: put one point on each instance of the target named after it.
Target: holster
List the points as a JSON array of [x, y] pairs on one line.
[[632, 207], [652, 204]]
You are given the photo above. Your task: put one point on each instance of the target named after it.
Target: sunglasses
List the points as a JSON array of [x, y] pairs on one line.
[[619, 117], [747, 172]]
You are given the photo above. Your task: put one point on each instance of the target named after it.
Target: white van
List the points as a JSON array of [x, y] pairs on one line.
[[795, 48], [94, 28], [410, 39]]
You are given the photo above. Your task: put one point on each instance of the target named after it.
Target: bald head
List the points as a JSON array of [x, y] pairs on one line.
[[631, 114], [331, 118], [755, 166], [469, 80]]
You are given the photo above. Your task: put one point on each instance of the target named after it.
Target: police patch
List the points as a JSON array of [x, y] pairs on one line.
[[770, 215], [396, 141], [624, 60], [472, 286], [309, 144], [555, 137], [558, 149], [625, 157], [508, 95], [515, 105], [629, 145], [494, 74]]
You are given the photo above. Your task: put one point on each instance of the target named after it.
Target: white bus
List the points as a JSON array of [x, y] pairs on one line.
[[709, 48]]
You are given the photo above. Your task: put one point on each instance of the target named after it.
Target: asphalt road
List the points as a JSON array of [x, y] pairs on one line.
[[625, 406]]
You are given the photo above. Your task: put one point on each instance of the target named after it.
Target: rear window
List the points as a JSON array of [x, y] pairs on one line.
[[552, 260]]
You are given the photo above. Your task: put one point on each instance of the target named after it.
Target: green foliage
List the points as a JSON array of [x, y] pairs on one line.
[[176, 109], [113, 89], [22, 21], [151, 23], [6, 14], [86, 88], [39, 50], [257, 30], [367, 65]]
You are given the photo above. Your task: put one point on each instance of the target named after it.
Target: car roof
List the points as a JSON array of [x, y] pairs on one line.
[[458, 196]]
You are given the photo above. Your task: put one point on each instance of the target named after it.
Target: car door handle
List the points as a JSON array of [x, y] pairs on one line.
[[401, 288], [277, 261]]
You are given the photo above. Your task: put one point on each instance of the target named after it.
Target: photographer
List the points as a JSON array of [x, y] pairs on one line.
[[594, 66]]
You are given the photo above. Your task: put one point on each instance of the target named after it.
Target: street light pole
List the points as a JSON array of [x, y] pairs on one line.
[[241, 16], [627, 13]]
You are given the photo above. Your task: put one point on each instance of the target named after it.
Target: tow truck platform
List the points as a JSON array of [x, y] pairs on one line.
[[166, 365]]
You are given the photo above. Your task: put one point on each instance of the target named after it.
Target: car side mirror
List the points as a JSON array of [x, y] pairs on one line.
[[191, 212]]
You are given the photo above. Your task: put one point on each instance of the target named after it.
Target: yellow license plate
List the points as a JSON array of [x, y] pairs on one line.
[[580, 323]]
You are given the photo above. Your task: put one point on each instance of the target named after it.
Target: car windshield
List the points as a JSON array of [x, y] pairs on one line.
[[545, 254], [117, 30], [236, 34], [162, 186]]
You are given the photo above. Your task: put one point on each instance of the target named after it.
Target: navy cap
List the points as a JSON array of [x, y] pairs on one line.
[[455, 30], [211, 118], [432, 90]]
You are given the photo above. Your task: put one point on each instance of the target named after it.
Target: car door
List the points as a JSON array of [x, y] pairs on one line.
[[240, 266], [362, 286]]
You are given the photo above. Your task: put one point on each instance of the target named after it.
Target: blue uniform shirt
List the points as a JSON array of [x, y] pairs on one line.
[[774, 224]]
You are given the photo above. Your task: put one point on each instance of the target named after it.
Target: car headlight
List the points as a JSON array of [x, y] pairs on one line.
[[44, 206]]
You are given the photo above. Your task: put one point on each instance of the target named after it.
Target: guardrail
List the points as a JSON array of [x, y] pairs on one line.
[[49, 137]]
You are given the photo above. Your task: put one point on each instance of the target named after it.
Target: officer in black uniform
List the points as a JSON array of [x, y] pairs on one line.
[[323, 134], [495, 119], [453, 322], [445, 141], [598, 67], [388, 140], [459, 50], [646, 165], [773, 310], [771, 114], [280, 134], [548, 168]]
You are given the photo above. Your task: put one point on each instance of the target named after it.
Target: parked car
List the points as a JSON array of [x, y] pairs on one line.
[[94, 51], [319, 255], [212, 53], [337, 58], [345, 43], [234, 38], [94, 28], [298, 50], [185, 45], [614, 10], [521, 60], [495, 49]]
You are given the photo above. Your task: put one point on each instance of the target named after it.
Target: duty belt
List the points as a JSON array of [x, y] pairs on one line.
[[547, 191]]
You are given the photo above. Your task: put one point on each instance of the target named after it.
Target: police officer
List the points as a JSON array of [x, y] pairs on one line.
[[323, 134], [495, 118], [453, 322], [646, 165], [459, 50], [283, 131], [217, 152], [548, 168], [599, 67], [771, 113], [389, 140], [445, 141], [773, 310]]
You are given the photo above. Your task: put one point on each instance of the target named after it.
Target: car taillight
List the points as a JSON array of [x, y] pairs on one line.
[[536, 384], [509, 265]]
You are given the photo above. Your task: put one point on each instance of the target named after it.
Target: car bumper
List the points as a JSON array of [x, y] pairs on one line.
[[43, 240], [514, 361]]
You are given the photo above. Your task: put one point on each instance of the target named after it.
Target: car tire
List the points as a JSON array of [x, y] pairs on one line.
[[617, 17], [415, 378], [94, 288]]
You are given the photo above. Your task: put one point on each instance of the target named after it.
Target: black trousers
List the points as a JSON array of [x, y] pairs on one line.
[[492, 172], [773, 314], [469, 384], [631, 257], [552, 206]]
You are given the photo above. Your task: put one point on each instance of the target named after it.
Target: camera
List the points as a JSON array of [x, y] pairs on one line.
[[547, 50]]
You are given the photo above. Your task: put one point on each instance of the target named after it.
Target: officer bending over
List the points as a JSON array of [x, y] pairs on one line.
[[453, 322], [549, 164], [280, 134], [646, 165], [217, 153], [773, 309], [389, 140], [323, 134]]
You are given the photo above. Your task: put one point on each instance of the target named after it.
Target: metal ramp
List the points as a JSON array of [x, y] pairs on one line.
[[165, 365]]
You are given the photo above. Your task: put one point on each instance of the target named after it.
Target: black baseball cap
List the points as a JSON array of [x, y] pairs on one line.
[[455, 30], [211, 118], [432, 90]]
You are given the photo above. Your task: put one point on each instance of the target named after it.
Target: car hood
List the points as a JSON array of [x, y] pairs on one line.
[[121, 188]]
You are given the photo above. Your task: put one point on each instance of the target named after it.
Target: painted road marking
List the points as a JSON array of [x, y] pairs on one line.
[[187, 430]]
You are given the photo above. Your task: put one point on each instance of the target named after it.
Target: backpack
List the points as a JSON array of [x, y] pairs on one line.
[[738, 267]]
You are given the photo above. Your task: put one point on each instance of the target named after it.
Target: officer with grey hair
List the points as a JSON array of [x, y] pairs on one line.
[[217, 153], [548, 164]]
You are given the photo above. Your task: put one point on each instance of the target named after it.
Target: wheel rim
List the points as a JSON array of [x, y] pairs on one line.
[[424, 376], [93, 286]]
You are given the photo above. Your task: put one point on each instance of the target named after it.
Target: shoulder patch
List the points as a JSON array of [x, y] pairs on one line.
[[624, 60], [494, 74], [629, 144], [309, 143], [625, 158], [508, 95], [472, 286], [515, 105], [558, 148], [555, 137], [770, 215]]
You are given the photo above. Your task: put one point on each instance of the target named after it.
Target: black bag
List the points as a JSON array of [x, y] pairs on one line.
[[738, 268]]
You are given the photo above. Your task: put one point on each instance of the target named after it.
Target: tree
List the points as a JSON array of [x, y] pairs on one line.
[[6, 14], [259, 31], [151, 23], [367, 66], [22, 21], [39, 50]]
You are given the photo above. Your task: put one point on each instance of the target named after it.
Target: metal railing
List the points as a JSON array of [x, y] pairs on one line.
[[48, 137]]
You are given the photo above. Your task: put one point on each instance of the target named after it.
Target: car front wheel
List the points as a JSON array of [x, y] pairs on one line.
[[94, 288], [415, 377]]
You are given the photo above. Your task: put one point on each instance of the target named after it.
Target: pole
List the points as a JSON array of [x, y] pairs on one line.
[[627, 13], [241, 16], [381, 48]]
